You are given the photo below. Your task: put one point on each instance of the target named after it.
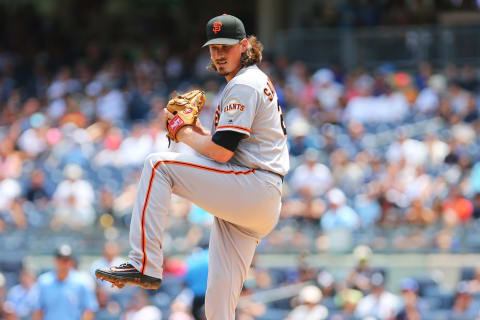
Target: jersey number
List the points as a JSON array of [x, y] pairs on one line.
[[282, 123], [217, 117], [269, 91]]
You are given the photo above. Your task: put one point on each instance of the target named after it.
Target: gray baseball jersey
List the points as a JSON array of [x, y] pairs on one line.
[[250, 106], [244, 194]]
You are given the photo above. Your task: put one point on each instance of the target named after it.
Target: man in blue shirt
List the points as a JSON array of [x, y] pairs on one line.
[[62, 293], [23, 295], [340, 215]]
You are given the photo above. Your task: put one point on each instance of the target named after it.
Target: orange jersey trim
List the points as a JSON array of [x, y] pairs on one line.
[[197, 166], [145, 204], [234, 127]]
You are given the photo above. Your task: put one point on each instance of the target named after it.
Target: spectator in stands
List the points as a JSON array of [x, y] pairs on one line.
[[380, 303], [111, 105], [457, 208], [368, 209], [106, 217], [475, 178], [468, 78], [327, 284], [359, 277], [397, 105], [73, 200], [464, 307], [7, 308], [37, 192], [135, 147], [62, 85], [11, 160], [346, 300], [11, 210], [437, 150], [413, 308], [23, 295], [299, 139], [110, 258], [422, 76], [339, 215], [141, 309], [420, 215], [108, 309], [472, 115], [474, 284], [459, 99], [412, 152], [427, 101], [62, 293], [180, 308], [361, 105], [309, 307], [33, 140], [328, 92], [312, 178]]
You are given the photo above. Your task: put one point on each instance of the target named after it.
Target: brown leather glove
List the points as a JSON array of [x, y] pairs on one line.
[[186, 108]]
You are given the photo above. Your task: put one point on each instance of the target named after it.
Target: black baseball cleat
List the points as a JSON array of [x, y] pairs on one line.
[[127, 274]]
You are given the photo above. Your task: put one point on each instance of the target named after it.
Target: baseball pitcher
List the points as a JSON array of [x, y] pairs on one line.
[[237, 177]]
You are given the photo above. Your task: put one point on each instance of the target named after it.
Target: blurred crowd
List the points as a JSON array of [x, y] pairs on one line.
[[383, 157], [303, 292], [372, 13]]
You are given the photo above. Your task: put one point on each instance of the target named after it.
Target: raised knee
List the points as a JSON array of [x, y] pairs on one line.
[[153, 158]]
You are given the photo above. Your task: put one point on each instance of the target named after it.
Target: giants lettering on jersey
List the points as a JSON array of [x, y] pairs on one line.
[[233, 108]]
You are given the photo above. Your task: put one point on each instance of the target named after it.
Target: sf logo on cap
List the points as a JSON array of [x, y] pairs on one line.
[[217, 26]]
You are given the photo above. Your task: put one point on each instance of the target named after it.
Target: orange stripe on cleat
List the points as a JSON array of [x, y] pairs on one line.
[[120, 270]]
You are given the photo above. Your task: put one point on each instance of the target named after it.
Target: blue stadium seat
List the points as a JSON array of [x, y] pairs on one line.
[[274, 314], [467, 273]]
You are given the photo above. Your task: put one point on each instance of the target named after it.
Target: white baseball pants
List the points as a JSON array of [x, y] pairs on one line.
[[245, 202]]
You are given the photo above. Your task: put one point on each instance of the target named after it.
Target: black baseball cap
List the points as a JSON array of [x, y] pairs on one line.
[[63, 251], [225, 29]]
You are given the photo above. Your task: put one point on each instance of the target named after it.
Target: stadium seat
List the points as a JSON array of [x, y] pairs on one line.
[[467, 273], [274, 314]]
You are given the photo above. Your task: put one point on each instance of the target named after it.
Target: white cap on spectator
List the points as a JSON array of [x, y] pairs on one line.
[[362, 252], [323, 76], [336, 196], [56, 90], [463, 133], [73, 171], [299, 128], [364, 82], [310, 294], [438, 83], [377, 279], [94, 88], [325, 279]]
